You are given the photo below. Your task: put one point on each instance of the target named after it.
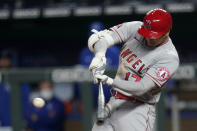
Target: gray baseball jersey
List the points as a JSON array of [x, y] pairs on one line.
[[137, 59]]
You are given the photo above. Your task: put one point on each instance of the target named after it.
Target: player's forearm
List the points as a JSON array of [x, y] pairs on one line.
[[102, 40], [100, 47], [135, 88]]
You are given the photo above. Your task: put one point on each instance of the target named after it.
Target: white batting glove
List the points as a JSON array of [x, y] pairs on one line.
[[97, 65], [105, 79]]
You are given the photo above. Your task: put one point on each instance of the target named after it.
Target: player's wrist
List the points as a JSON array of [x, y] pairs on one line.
[[99, 61], [100, 54]]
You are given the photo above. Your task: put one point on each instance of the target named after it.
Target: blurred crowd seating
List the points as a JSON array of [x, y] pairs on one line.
[[48, 3]]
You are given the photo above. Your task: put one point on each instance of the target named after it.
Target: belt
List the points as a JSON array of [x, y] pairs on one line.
[[118, 95]]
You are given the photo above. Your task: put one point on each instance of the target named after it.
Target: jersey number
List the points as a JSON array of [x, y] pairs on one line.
[[137, 78]]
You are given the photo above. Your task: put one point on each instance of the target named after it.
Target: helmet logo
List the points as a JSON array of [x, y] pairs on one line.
[[148, 24]]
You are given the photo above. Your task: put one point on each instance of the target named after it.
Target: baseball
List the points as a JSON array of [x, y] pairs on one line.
[[38, 102]]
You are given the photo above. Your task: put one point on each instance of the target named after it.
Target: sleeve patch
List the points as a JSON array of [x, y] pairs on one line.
[[163, 74]]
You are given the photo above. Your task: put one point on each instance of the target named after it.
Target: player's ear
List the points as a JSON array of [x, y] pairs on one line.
[[167, 34]]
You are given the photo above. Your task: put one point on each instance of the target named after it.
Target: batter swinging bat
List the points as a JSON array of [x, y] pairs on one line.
[[101, 104]]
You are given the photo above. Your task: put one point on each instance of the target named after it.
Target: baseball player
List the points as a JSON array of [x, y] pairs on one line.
[[147, 60]]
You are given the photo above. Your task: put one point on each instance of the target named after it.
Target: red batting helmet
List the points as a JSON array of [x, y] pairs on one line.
[[156, 23]]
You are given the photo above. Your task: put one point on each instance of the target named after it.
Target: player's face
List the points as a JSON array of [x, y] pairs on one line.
[[157, 42]]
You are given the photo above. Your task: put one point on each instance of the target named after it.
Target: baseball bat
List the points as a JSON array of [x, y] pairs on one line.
[[101, 104]]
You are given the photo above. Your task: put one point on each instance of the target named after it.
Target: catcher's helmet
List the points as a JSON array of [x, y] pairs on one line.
[[156, 23]]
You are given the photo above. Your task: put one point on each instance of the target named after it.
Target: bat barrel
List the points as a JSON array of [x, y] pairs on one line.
[[101, 104]]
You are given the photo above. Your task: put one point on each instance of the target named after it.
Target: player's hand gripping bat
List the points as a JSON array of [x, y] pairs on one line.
[[101, 104]]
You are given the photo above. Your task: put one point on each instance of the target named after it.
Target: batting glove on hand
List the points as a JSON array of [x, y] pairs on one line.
[[97, 66], [105, 79]]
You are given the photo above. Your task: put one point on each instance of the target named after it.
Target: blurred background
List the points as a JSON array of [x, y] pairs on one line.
[[43, 53]]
